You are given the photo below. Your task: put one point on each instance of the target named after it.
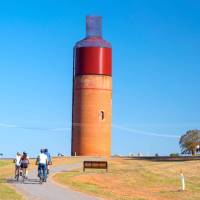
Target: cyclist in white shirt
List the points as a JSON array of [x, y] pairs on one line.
[[17, 163], [42, 162]]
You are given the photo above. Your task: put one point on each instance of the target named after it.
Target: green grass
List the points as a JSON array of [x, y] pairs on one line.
[[6, 192]]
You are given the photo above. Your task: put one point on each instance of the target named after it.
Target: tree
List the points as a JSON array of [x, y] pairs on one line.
[[189, 142], [173, 154]]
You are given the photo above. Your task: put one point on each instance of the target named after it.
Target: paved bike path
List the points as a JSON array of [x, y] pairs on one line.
[[33, 190]]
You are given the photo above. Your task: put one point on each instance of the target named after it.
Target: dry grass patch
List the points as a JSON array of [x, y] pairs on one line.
[[137, 179], [65, 160]]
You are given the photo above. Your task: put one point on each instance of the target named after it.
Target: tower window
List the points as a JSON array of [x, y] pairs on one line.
[[101, 115]]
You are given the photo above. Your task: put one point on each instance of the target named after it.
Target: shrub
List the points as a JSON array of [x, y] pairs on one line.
[[174, 155]]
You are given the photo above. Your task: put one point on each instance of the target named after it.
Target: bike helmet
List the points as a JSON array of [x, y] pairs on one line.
[[42, 150], [24, 154]]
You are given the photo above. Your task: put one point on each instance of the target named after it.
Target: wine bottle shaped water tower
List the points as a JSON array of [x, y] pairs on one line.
[[92, 93]]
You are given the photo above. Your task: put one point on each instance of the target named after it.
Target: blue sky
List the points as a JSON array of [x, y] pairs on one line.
[[156, 67]]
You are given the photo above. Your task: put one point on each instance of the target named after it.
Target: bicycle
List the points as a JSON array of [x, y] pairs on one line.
[[48, 167], [17, 170], [23, 175], [21, 172], [42, 178], [17, 174], [41, 174]]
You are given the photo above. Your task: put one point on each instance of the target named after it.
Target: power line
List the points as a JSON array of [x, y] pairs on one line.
[[116, 126], [145, 132], [63, 129]]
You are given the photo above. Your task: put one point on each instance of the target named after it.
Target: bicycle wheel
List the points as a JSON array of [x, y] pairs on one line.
[[23, 178], [17, 176], [23, 175], [41, 179]]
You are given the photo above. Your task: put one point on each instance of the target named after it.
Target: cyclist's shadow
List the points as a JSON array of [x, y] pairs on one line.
[[20, 181]]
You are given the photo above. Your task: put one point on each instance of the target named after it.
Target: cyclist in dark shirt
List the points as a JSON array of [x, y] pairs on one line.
[[24, 164], [49, 159]]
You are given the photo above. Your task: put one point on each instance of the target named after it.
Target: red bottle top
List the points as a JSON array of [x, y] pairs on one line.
[[93, 55], [93, 60]]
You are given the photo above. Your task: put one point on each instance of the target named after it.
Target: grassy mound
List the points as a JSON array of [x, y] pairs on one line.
[[137, 180]]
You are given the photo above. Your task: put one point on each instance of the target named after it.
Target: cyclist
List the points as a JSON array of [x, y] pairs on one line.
[[24, 164], [17, 164], [49, 160], [42, 162]]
